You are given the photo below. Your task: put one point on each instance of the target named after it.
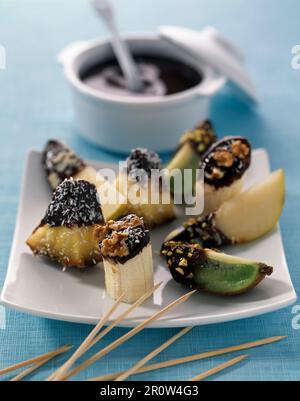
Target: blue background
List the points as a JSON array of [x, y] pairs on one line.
[[35, 106]]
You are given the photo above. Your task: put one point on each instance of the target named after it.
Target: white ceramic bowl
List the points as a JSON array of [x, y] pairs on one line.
[[121, 123]]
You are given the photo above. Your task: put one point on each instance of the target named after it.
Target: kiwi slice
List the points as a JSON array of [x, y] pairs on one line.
[[213, 271]]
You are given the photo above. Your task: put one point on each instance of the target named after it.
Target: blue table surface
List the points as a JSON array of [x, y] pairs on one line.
[[35, 106]]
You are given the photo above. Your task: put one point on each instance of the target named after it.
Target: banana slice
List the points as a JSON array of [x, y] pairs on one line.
[[127, 258]]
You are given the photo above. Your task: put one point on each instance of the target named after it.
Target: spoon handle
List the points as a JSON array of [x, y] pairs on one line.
[[123, 55]]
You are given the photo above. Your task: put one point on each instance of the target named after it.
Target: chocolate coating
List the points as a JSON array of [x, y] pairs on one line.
[[60, 162], [201, 137], [183, 259], [142, 159], [226, 161], [74, 203], [201, 230], [124, 239]]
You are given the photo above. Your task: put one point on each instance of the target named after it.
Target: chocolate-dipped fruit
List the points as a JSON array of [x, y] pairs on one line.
[[62, 163], [224, 166], [212, 271], [191, 149], [127, 256], [246, 217], [66, 232], [145, 197]]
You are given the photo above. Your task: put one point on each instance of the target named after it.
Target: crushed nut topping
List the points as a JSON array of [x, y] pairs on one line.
[[223, 158], [183, 264], [217, 173], [126, 222], [240, 149], [115, 245], [226, 161], [123, 239]]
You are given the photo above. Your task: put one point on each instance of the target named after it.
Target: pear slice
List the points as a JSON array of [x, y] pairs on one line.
[[212, 271], [246, 217], [253, 213]]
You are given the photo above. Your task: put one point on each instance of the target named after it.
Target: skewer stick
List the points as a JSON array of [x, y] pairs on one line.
[[32, 368], [218, 368], [152, 354], [128, 335], [89, 339], [93, 340], [37, 359], [192, 358], [113, 324]]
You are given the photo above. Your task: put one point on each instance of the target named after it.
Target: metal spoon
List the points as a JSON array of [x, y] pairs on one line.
[[121, 50]]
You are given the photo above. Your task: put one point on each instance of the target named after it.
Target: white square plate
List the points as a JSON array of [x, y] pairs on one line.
[[37, 286]]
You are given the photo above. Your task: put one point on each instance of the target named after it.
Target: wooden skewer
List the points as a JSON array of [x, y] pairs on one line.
[[89, 339], [218, 368], [35, 360], [92, 340], [125, 314], [152, 354], [192, 358], [32, 368], [128, 335], [29, 370]]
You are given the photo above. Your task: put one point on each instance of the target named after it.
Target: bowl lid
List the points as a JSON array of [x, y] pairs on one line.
[[209, 47]]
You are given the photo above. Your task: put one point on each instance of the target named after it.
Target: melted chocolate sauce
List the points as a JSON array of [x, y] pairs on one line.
[[161, 77]]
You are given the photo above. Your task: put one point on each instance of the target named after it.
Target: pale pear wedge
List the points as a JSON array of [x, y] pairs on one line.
[[253, 213], [246, 217]]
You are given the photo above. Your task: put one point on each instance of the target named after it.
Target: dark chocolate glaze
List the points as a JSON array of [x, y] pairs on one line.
[[161, 77], [74, 203], [200, 230], [60, 162], [183, 259], [138, 237], [141, 162], [235, 159], [201, 138]]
